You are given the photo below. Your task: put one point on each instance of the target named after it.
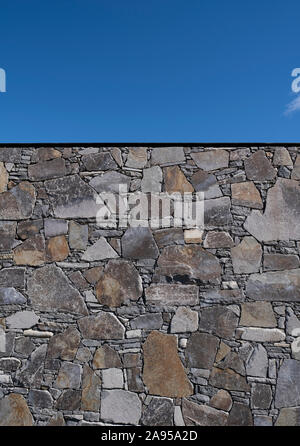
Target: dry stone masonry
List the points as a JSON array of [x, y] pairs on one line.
[[149, 326]]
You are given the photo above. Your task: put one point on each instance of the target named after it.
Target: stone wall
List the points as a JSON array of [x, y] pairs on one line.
[[140, 326]]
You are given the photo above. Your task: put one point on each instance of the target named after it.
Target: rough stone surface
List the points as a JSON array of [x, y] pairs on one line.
[[246, 194], [218, 239], [219, 321], [152, 179], [98, 161], [112, 378], [201, 350], [160, 412], [139, 243], [175, 181], [137, 157], [288, 416], [206, 183], [246, 257], [64, 345], [212, 159], [10, 296], [275, 286], [184, 320], [201, 415], [120, 406], [261, 396], [69, 376], [57, 248], [78, 236], [167, 155], [221, 400], [18, 202], [110, 182], [104, 325], [172, 294], [106, 357], [240, 415], [288, 386], [258, 314], [163, 373], [14, 411], [22, 319], [280, 262], [7, 235], [3, 178], [228, 379], [91, 384], [47, 169], [258, 167]]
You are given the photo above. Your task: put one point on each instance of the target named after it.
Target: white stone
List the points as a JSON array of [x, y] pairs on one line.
[[120, 406], [183, 342], [22, 319], [5, 379], [100, 250], [184, 320], [112, 378], [133, 334], [38, 334], [193, 235], [90, 297], [178, 418], [262, 334]]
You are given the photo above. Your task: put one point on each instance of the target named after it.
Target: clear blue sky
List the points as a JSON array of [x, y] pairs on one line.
[[149, 70]]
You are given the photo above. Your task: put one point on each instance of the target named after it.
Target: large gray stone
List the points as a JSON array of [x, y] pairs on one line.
[[257, 363], [18, 202], [98, 161], [10, 296], [211, 159], [64, 345], [275, 286], [169, 294], [103, 325], [240, 415], [91, 384], [152, 179], [201, 415], [288, 416], [228, 379], [139, 243], [184, 320], [78, 199], [100, 250], [11, 154], [137, 157], [7, 235], [201, 350], [47, 169], [246, 257], [54, 227], [149, 321], [258, 167], [167, 155], [218, 320], [160, 412], [22, 319], [288, 384], [69, 376], [41, 399], [12, 277], [217, 212], [261, 396], [280, 262], [31, 374], [281, 217], [258, 334], [78, 235], [206, 183], [120, 406], [258, 314], [50, 290], [110, 182]]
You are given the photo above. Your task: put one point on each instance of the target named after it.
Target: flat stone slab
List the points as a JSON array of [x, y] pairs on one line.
[[165, 294], [104, 325], [18, 202], [288, 384], [120, 406], [10, 296], [211, 159], [275, 286], [14, 411]]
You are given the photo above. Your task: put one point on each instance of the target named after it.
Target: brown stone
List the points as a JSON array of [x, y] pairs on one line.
[[14, 411], [57, 420], [228, 379], [91, 383], [221, 400], [218, 239], [79, 281], [165, 237], [280, 262], [175, 180], [106, 358], [29, 228], [246, 194], [31, 252], [163, 373], [200, 415], [134, 380], [64, 345], [103, 325], [282, 157], [57, 248], [258, 167], [192, 261], [201, 350], [258, 314], [224, 349], [137, 157], [119, 284], [45, 154], [18, 202], [92, 275], [3, 178]]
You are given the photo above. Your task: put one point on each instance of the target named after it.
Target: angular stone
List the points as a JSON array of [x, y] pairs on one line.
[[91, 384], [165, 237], [193, 236], [218, 320], [281, 216], [167, 155], [296, 169], [3, 178], [258, 167], [152, 179], [175, 181], [246, 194], [201, 415], [119, 284], [78, 235], [192, 261], [31, 374], [288, 416], [69, 376], [12, 277], [292, 322], [18, 202], [98, 161], [22, 319], [7, 235], [282, 157], [24, 346], [263, 420], [257, 364], [14, 411], [57, 420], [100, 250], [120, 406], [54, 227], [10, 296], [103, 325], [57, 248], [221, 400], [148, 321], [92, 275], [217, 212], [246, 257], [134, 380], [117, 156], [288, 384], [11, 154], [163, 372], [233, 361], [218, 239], [228, 379], [212, 159], [165, 294], [77, 201], [47, 169], [184, 320], [112, 378], [261, 396], [110, 182], [201, 350], [240, 415], [262, 334], [138, 243], [69, 400], [222, 296], [9, 364], [280, 262], [106, 357], [29, 228], [137, 157], [64, 345], [178, 418], [78, 280], [40, 399], [275, 286], [83, 354], [224, 349], [160, 412], [7, 341], [31, 252], [258, 314], [49, 289], [45, 154], [206, 183]]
